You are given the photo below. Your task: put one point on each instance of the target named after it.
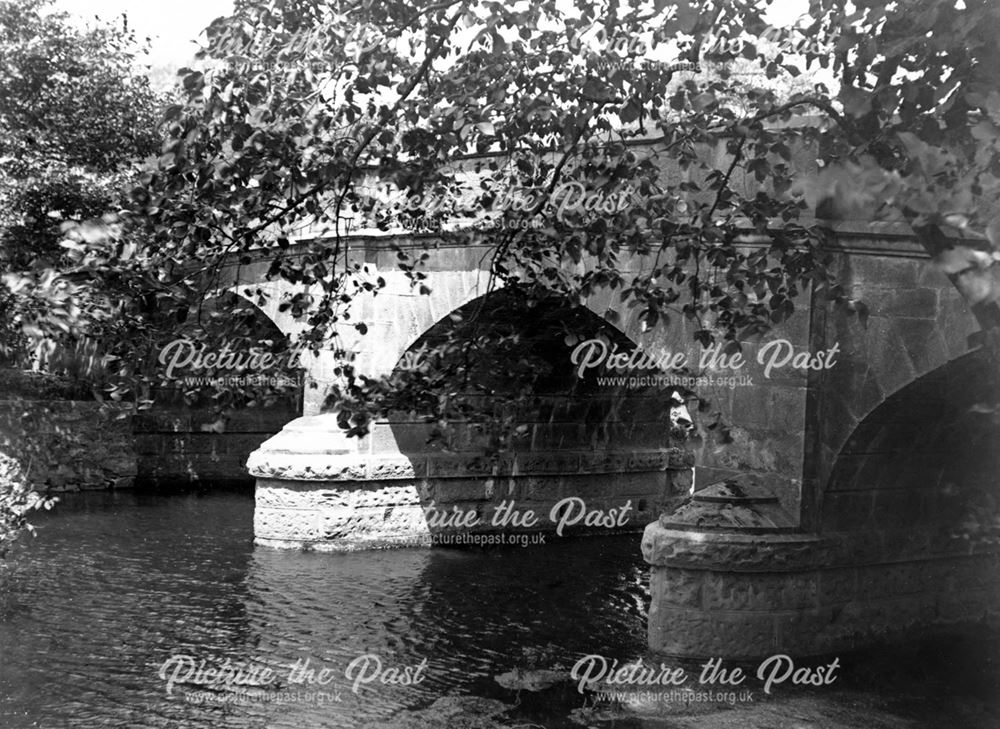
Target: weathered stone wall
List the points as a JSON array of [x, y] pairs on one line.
[[764, 415], [786, 428], [66, 445], [918, 323], [866, 538], [178, 445], [748, 596], [906, 539], [77, 444], [767, 414]]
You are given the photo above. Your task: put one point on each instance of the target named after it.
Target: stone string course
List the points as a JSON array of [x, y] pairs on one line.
[[343, 467]]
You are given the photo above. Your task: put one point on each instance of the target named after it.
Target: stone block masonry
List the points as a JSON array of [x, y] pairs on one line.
[[882, 494], [317, 489], [177, 446], [904, 541], [746, 596], [69, 445]]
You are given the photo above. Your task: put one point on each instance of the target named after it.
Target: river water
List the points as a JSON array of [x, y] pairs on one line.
[[117, 587], [116, 584]]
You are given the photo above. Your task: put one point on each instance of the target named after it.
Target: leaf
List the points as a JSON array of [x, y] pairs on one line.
[[702, 101], [993, 232], [499, 44], [857, 102], [172, 112], [760, 168], [686, 16], [630, 111], [960, 258], [984, 131]]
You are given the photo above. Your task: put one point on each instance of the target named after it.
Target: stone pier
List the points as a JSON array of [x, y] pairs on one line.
[[317, 489], [897, 531], [742, 595]]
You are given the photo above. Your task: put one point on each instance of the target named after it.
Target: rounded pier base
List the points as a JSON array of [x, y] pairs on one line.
[[753, 595], [317, 489]]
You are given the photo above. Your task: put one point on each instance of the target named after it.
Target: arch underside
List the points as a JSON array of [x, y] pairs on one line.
[[925, 456], [566, 408]]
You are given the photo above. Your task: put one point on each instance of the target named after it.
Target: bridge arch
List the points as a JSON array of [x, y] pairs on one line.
[[922, 457], [587, 404], [918, 323], [610, 449]]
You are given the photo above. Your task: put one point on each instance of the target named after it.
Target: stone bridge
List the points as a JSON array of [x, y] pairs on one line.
[[825, 520]]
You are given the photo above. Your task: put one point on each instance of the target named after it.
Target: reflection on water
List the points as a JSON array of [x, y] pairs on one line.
[[116, 584]]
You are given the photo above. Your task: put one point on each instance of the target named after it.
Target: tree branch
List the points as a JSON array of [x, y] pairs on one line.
[[373, 130]]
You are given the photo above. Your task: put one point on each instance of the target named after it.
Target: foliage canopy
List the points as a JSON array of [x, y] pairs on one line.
[[300, 107]]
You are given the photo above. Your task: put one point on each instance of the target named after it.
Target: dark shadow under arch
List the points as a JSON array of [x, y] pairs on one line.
[[199, 433], [548, 330], [927, 455], [506, 341], [228, 319]]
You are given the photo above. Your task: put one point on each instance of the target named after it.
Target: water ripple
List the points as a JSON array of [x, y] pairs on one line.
[[117, 583]]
